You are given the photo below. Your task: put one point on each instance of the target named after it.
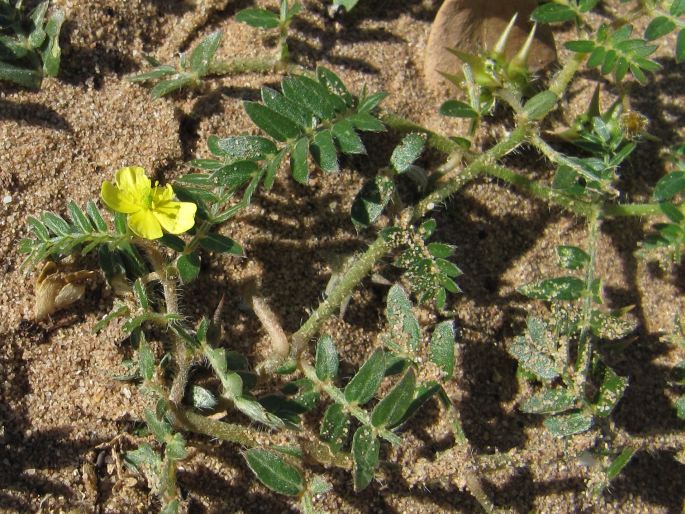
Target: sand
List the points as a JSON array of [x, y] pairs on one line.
[[64, 420]]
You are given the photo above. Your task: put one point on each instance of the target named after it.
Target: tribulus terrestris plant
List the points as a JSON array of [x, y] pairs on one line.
[[150, 239]]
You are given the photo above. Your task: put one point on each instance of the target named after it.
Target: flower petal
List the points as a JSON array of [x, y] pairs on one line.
[[176, 217], [162, 194], [133, 181], [118, 200], [144, 224]]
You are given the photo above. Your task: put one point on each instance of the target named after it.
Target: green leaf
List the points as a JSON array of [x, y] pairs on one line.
[[553, 13], [442, 348], [348, 140], [324, 151], [583, 47], [22, 76], [365, 452], [550, 401], [560, 288], [669, 186], [369, 103], [222, 244], [272, 167], [457, 109], [258, 18], [159, 427], [146, 359], [659, 27], [423, 393], [203, 54], [565, 425], [188, 267], [274, 472], [156, 73], [410, 149], [51, 53], [56, 223], [403, 325], [95, 215], [140, 293], [235, 174], [298, 160], [179, 81], [334, 426], [620, 462], [313, 96], [610, 392], [294, 111], [202, 398], [533, 360], [276, 125], [172, 241], [326, 359], [144, 457], [369, 203], [79, 218], [365, 383], [392, 408], [334, 85], [540, 105], [572, 257], [171, 507], [364, 122], [680, 407], [680, 47], [242, 148]]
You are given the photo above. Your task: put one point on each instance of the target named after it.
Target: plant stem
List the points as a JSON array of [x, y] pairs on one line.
[[243, 65], [631, 209], [566, 73], [361, 267], [180, 352], [584, 357], [436, 141]]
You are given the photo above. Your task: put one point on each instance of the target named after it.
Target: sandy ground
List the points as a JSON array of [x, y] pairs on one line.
[[60, 409]]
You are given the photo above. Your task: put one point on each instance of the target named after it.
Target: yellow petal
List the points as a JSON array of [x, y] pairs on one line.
[[144, 224], [132, 180], [118, 200], [161, 195], [176, 217]]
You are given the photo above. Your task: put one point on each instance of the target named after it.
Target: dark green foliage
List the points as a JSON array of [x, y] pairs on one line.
[[192, 68], [275, 472], [29, 45], [429, 272]]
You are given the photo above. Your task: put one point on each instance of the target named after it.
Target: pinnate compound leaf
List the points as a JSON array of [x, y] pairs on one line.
[[274, 472], [410, 149], [334, 426], [565, 425], [365, 452], [365, 383], [550, 401], [392, 408], [560, 288], [326, 359], [258, 18], [442, 348], [373, 197]]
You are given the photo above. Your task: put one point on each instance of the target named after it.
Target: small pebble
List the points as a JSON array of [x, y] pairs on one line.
[[7, 199]]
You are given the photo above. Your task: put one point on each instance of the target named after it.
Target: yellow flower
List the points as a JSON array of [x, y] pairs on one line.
[[149, 208]]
